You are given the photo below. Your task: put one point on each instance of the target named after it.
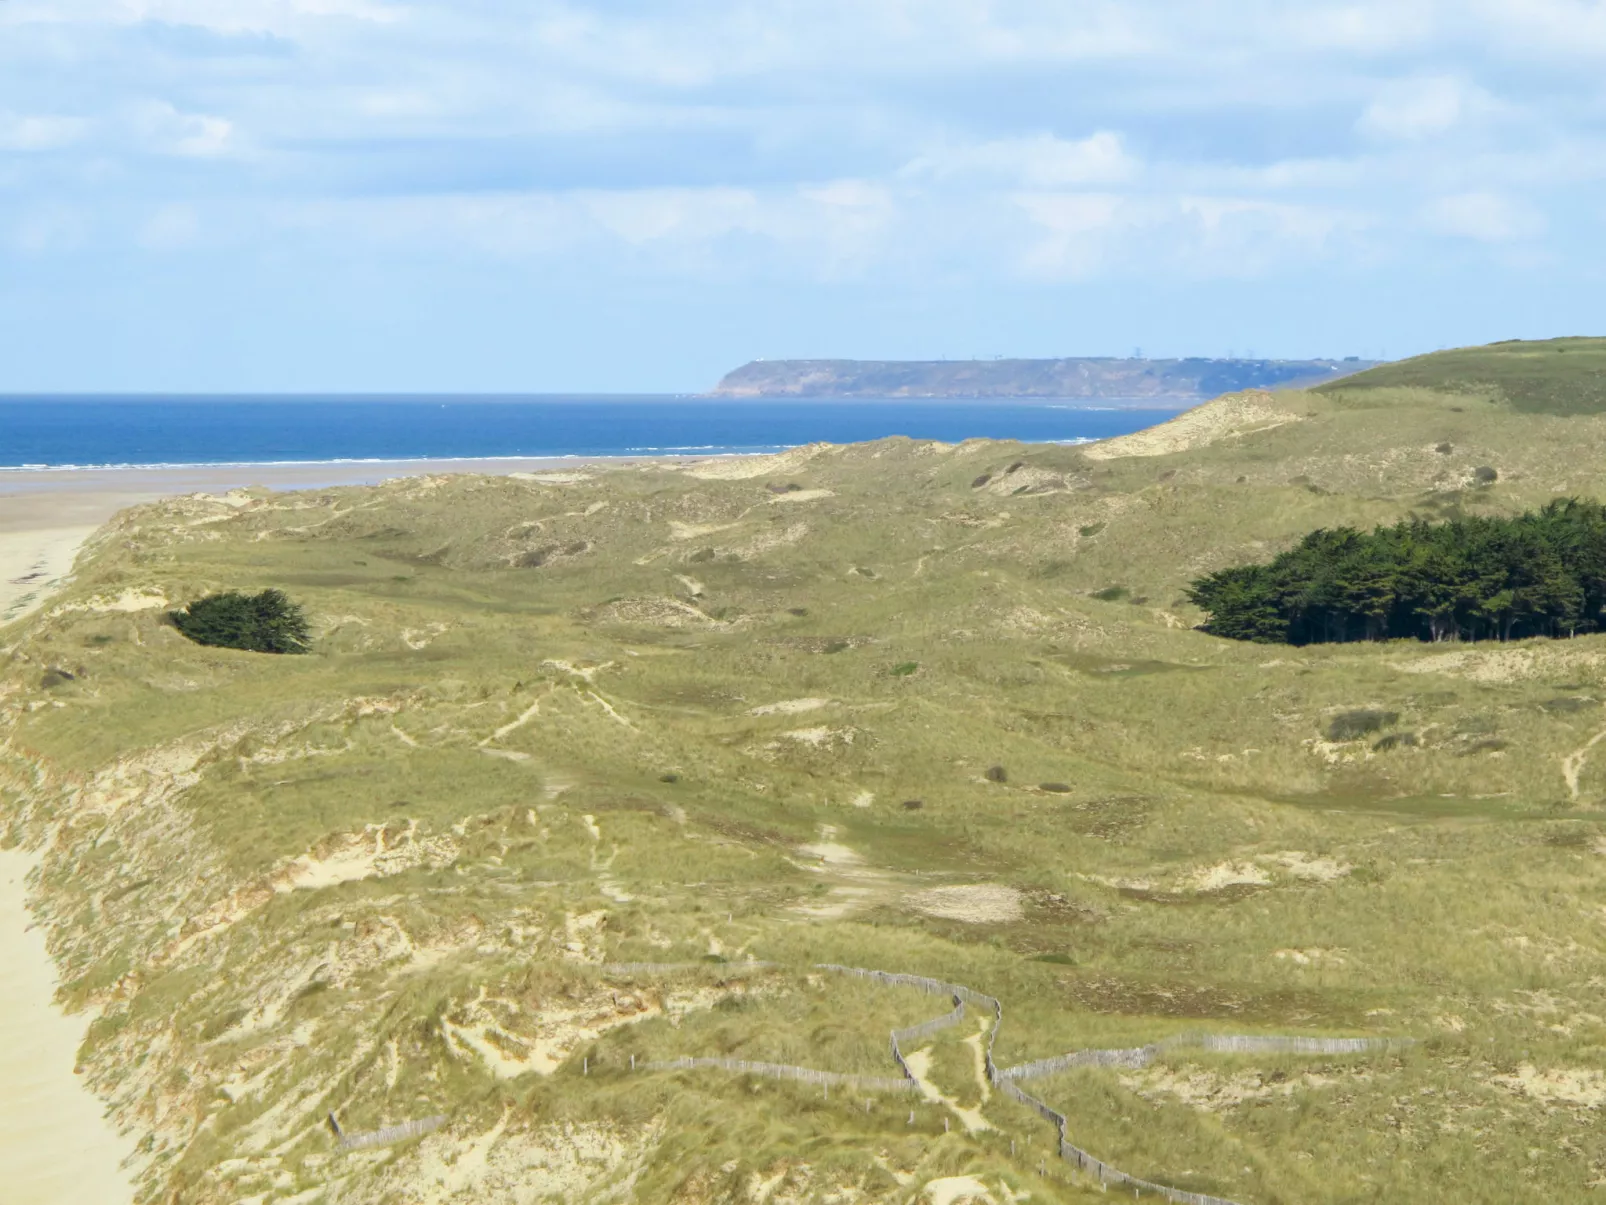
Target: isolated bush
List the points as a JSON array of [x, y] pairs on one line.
[[904, 669], [1111, 593], [1484, 475], [913, 805], [1568, 705], [1054, 788], [981, 481], [1396, 740], [997, 774], [1352, 725], [259, 623]]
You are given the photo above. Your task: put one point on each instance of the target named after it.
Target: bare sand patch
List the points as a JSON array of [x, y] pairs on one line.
[[976, 904], [743, 468], [56, 1146], [1229, 417], [691, 531], [790, 707], [1210, 1090], [133, 599], [565, 1161], [1310, 956], [821, 738], [851, 883], [1309, 867], [1224, 875], [1556, 1085], [376, 852], [958, 1190]]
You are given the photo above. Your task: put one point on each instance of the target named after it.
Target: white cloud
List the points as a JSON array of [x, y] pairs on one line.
[[1424, 107], [38, 133], [170, 228], [1038, 161], [901, 144], [1485, 217], [199, 135]]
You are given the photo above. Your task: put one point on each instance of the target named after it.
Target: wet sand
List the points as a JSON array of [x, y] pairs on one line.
[[56, 1148], [46, 515]]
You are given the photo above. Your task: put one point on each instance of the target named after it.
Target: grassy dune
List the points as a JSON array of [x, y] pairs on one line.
[[747, 712]]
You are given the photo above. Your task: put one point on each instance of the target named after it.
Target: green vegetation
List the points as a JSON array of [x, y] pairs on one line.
[[409, 873], [258, 623], [1547, 376], [1536, 574]]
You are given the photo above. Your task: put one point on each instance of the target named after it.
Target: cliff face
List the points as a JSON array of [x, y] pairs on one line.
[[1073, 377]]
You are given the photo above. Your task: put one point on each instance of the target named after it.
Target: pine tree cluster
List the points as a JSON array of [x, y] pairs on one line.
[[1538, 574], [260, 623]]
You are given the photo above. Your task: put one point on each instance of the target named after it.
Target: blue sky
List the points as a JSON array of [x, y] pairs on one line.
[[383, 194]]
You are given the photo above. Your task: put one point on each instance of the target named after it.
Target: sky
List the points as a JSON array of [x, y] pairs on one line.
[[383, 195]]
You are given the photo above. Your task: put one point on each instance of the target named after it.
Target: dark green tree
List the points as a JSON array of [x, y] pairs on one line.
[[1537, 574], [259, 623]]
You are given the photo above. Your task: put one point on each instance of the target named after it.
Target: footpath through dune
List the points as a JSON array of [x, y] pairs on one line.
[[56, 1147]]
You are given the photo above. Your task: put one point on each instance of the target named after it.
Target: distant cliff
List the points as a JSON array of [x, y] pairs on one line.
[[1089, 377]]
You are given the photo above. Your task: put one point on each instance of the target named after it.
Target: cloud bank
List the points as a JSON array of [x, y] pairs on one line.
[[291, 193]]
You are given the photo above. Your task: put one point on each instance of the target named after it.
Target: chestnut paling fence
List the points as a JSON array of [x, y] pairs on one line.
[[1007, 1080], [388, 1134]]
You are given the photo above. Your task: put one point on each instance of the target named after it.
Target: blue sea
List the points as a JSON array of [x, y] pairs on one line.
[[102, 432]]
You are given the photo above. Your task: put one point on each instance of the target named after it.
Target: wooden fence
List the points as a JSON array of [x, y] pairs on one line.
[[395, 1133], [807, 1075], [1007, 1080]]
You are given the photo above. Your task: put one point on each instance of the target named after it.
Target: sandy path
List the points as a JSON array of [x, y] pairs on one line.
[[55, 1146]]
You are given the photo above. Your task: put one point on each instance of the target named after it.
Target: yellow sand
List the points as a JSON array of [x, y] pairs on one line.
[[56, 1148]]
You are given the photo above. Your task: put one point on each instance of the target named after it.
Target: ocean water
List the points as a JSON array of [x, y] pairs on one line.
[[69, 432]]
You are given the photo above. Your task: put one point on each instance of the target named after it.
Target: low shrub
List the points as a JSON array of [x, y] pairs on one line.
[[1396, 740], [258, 623], [1352, 725]]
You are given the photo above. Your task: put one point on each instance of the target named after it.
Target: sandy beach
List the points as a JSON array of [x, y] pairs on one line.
[[56, 1148], [47, 514]]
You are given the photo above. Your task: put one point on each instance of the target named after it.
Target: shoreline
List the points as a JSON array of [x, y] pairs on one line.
[[56, 1145]]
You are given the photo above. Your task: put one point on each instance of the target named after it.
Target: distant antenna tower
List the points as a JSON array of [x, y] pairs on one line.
[[1137, 353]]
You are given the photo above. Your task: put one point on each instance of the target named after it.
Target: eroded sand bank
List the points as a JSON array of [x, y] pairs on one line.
[[56, 1148]]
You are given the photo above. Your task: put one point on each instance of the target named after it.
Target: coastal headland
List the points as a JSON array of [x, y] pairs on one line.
[[1133, 382]]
